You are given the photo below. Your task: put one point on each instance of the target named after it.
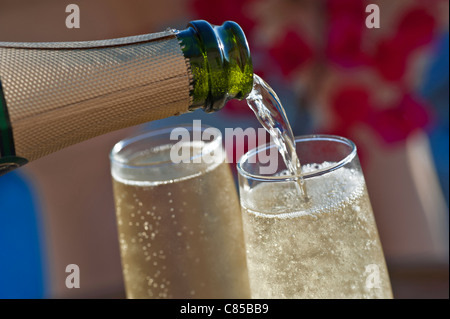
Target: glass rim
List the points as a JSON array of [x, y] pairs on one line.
[[122, 144], [301, 138]]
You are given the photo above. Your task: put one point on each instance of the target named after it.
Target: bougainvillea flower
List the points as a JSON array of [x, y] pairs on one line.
[[416, 28], [354, 9], [351, 104], [390, 59], [396, 123], [290, 52], [344, 45]]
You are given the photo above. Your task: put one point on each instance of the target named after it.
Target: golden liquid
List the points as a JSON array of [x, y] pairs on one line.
[[327, 247], [182, 238]]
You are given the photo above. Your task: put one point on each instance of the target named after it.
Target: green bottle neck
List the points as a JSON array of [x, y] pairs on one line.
[[220, 63], [8, 158]]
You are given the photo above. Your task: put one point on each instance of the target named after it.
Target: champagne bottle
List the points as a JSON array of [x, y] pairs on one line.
[[53, 95]]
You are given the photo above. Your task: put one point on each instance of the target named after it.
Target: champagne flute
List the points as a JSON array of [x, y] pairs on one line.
[[324, 247], [178, 216]]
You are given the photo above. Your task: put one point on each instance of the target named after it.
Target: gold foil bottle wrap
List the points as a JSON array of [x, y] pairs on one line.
[[59, 94]]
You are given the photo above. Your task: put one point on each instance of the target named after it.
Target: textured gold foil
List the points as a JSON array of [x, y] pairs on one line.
[[59, 94]]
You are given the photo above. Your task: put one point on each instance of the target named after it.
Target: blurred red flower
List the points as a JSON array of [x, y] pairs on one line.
[[290, 52], [345, 31], [416, 28], [354, 9], [396, 123], [344, 42], [351, 104], [390, 59]]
